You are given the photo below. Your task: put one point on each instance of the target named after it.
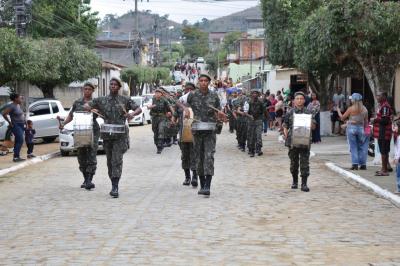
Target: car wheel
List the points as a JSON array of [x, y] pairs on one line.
[[49, 139], [64, 153]]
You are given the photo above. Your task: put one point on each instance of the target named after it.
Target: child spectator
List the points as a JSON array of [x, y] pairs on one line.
[[29, 136]]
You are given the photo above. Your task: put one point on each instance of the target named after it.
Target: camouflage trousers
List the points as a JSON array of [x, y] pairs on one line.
[[115, 149], [232, 123], [187, 155], [299, 157], [204, 150], [87, 156], [158, 124], [254, 135], [241, 131]]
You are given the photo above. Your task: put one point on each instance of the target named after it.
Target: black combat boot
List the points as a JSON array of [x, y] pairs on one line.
[[304, 184], [187, 178], [202, 179], [89, 184], [160, 146], [243, 147], [194, 179], [175, 140], [252, 153], [207, 185], [114, 190], [84, 181], [295, 183]]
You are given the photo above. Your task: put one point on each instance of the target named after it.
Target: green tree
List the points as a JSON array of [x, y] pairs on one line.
[[6, 13], [60, 62], [366, 30], [63, 18], [15, 57], [229, 41], [138, 76], [195, 42]]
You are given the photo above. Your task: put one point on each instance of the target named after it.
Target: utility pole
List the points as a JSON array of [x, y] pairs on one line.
[[21, 87], [20, 17]]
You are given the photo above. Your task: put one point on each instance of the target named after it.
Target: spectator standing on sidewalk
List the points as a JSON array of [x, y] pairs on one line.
[[29, 136], [272, 111], [383, 132], [314, 106], [338, 102], [17, 123], [356, 131]]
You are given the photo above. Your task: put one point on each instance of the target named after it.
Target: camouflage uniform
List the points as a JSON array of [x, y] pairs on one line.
[[159, 120], [115, 145], [204, 141], [256, 109], [241, 130], [87, 155], [232, 120], [187, 152], [299, 157]]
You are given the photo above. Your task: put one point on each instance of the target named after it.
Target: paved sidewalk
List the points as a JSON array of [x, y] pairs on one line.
[[336, 150], [40, 149]]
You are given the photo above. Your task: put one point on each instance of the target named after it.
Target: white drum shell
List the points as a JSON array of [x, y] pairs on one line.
[[301, 132], [83, 129], [204, 126], [113, 128]]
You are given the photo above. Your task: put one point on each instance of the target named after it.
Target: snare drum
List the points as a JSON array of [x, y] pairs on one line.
[[83, 129], [301, 135], [112, 129], [204, 126]]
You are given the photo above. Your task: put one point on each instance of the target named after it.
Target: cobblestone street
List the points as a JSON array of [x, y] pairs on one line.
[[251, 218]]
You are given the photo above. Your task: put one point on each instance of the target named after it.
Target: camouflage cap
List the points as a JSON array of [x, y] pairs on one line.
[[117, 80], [89, 84], [205, 76], [190, 85]]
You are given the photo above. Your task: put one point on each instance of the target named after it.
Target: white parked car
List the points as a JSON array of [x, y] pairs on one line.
[[144, 116], [67, 139], [200, 60], [43, 114]]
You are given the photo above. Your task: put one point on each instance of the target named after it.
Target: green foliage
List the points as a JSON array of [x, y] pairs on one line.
[[195, 42], [63, 18], [6, 13], [60, 62], [229, 41], [45, 63], [136, 76], [15, 57], [282, 20]]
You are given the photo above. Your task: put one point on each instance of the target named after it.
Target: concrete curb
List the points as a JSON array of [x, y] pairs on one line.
[[33, 161], [365, 183]]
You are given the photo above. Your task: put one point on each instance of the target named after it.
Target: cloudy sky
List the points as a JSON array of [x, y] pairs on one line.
[[178, 10]]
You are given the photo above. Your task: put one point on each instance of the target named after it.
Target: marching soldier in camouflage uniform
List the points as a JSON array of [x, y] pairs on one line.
[[241, 130], [255, 124], [298, 156], [204, 141], [114, 108], [158, 112], [187, 150], [86, 155], [230, 108]]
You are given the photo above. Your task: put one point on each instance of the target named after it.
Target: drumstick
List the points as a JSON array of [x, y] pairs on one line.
[[97, 113], [215, 109]]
